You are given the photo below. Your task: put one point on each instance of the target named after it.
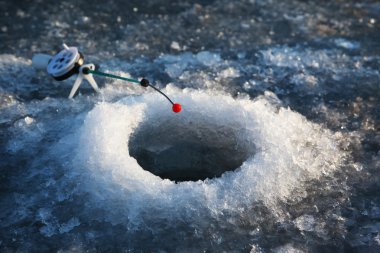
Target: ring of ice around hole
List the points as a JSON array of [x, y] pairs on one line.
[[281, 150]]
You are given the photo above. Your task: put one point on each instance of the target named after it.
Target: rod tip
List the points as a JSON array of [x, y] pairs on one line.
[[176, 108]]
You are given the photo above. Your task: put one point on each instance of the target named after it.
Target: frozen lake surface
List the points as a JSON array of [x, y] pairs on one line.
[[277, 147]]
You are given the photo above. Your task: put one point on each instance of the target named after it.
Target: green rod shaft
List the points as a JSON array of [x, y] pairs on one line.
[[126, 79], [112, 76]]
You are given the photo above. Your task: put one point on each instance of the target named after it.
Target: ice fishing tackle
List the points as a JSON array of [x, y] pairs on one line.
[[70, 61], [66, 63]]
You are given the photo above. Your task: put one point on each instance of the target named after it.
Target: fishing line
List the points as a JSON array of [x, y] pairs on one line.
[[144, 82]]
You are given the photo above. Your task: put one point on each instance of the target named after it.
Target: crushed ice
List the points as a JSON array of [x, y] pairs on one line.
[[290, 150]]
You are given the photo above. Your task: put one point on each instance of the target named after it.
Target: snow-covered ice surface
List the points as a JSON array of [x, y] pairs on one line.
[[282, 95]]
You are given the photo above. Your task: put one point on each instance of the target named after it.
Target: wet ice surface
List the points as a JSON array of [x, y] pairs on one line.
[[289, 89]]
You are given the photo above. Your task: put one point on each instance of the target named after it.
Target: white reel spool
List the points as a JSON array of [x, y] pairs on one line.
[[65, 64]]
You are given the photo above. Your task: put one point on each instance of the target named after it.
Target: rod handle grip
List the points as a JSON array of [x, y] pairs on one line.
[[41, 61]]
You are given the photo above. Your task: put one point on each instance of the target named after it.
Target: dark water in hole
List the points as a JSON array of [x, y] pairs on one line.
[[183, 153]]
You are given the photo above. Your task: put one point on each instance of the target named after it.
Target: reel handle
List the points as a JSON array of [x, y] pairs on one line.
[[41, 61]]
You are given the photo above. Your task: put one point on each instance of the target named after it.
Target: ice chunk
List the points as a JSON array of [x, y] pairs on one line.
[[24, 122], [288, 248], [176, 64], [300, 59], [208, 58], [256, 249], [347, 44], [28, 120], [304, 79], [174, 70], [305, 223], [175, 45], [229, 72]]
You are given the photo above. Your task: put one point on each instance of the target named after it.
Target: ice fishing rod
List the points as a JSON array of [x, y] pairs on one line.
[[70, 61]]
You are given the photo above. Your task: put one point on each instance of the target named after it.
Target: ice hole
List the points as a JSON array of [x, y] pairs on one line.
[[188, 151]]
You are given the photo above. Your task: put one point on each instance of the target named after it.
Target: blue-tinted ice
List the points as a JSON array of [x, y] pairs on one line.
[[284, 94]]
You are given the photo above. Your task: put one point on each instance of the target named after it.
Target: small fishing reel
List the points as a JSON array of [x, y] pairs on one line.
[[66, 63]]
